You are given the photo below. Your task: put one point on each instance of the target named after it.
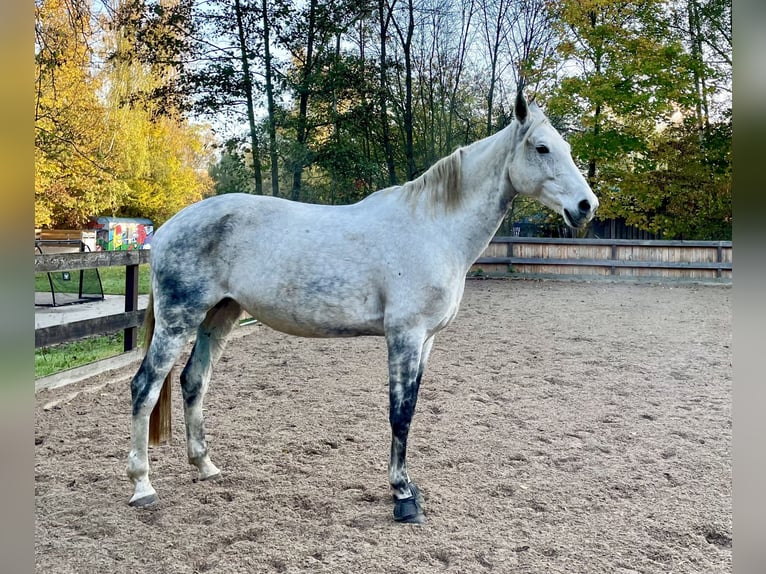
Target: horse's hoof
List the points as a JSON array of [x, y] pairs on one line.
[[410, 510], [144, 501], [206, 470]]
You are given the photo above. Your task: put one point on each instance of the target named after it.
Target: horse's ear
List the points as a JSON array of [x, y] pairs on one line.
[[520, 109]]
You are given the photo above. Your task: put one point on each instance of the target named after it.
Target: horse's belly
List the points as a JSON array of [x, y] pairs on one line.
[[314, 324], [306, 312]]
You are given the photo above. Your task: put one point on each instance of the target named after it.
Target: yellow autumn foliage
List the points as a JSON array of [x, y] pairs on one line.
[[97, 152]]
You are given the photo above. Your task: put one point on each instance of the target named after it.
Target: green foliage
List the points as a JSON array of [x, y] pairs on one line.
[[682, 185], [72, 171], [231, 174], [636, 74]]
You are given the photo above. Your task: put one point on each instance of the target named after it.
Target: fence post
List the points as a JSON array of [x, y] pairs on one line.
[[130, 340], [719, 258], [613, 256]]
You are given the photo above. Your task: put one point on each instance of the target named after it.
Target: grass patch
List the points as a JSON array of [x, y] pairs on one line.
[[56, 358], [112, 280]]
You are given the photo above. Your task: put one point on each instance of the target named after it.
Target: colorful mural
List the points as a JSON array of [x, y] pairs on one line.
[[122, 233]]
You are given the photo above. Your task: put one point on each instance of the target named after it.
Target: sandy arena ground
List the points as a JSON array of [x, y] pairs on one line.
[[579, 427]]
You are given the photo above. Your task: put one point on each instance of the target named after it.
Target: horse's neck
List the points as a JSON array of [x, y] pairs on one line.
[[487, 193]]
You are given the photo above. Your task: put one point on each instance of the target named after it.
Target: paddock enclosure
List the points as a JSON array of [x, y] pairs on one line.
[[562, 426]]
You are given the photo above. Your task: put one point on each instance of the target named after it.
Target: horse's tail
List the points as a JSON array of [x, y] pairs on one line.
[[159, 420]]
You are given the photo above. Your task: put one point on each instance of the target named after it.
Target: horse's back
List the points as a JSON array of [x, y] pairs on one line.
[[293, 266], [305, 269]]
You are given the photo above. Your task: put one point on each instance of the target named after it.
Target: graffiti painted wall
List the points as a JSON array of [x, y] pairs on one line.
[[121, 233]]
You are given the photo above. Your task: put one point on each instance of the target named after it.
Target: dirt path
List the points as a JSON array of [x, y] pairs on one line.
[[562, 427]]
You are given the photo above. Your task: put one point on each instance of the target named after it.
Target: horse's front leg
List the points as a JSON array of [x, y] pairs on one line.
[[406, 362]]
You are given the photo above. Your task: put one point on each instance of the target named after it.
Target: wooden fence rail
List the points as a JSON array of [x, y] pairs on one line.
[[127, 321], [654, 258], [616, 257]]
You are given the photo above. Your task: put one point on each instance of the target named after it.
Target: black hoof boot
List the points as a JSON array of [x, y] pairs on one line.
[[410, 510]]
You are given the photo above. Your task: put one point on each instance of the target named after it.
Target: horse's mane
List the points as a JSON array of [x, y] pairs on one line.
[[441, 184]]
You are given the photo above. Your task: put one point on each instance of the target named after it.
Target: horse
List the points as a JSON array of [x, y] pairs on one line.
[[392, 265]]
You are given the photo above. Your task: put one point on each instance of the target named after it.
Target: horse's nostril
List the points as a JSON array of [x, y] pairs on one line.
[[584, 206]]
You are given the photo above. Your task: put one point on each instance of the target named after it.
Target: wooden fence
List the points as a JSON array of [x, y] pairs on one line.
[[58, 234], [607, 257], [504, 255], [128, 321]]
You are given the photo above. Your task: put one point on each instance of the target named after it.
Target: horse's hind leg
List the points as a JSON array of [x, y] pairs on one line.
[[145, 388], [211, 339]]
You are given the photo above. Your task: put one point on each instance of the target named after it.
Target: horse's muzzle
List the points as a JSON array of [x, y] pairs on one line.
[[581, 216]]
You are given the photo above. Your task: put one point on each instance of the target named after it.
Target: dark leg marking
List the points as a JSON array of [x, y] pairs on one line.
[[195, 378], [192, 377], [148, 374], [405, 372], [145, 389]]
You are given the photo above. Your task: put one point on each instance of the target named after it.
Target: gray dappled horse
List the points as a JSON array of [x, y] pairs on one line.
[[392, 265]]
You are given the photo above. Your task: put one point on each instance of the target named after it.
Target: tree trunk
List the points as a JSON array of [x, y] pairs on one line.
[[596, 132], [409, 147], [494, 38], [464, 36], [385, 19], [248, 81], [270, 103], [700, 87], [303, 103], [592, 16], [406, 39], [335, 128]]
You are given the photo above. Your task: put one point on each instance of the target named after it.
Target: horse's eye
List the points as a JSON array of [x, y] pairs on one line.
[[542, 149]]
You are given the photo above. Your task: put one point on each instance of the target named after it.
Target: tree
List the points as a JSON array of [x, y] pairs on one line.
[[630, 72], [158, 156], [313, 41], [683, 189], [218, 64], [532, 43], [385, 14], [247, 81], [104, 143], [406, 31], [270, 105], [494, 29], [704, 26], [73, 152], [230, 173], [344, 97], [303, 44]]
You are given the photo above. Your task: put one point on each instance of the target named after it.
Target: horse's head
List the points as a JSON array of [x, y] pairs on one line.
[[541, 167]]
